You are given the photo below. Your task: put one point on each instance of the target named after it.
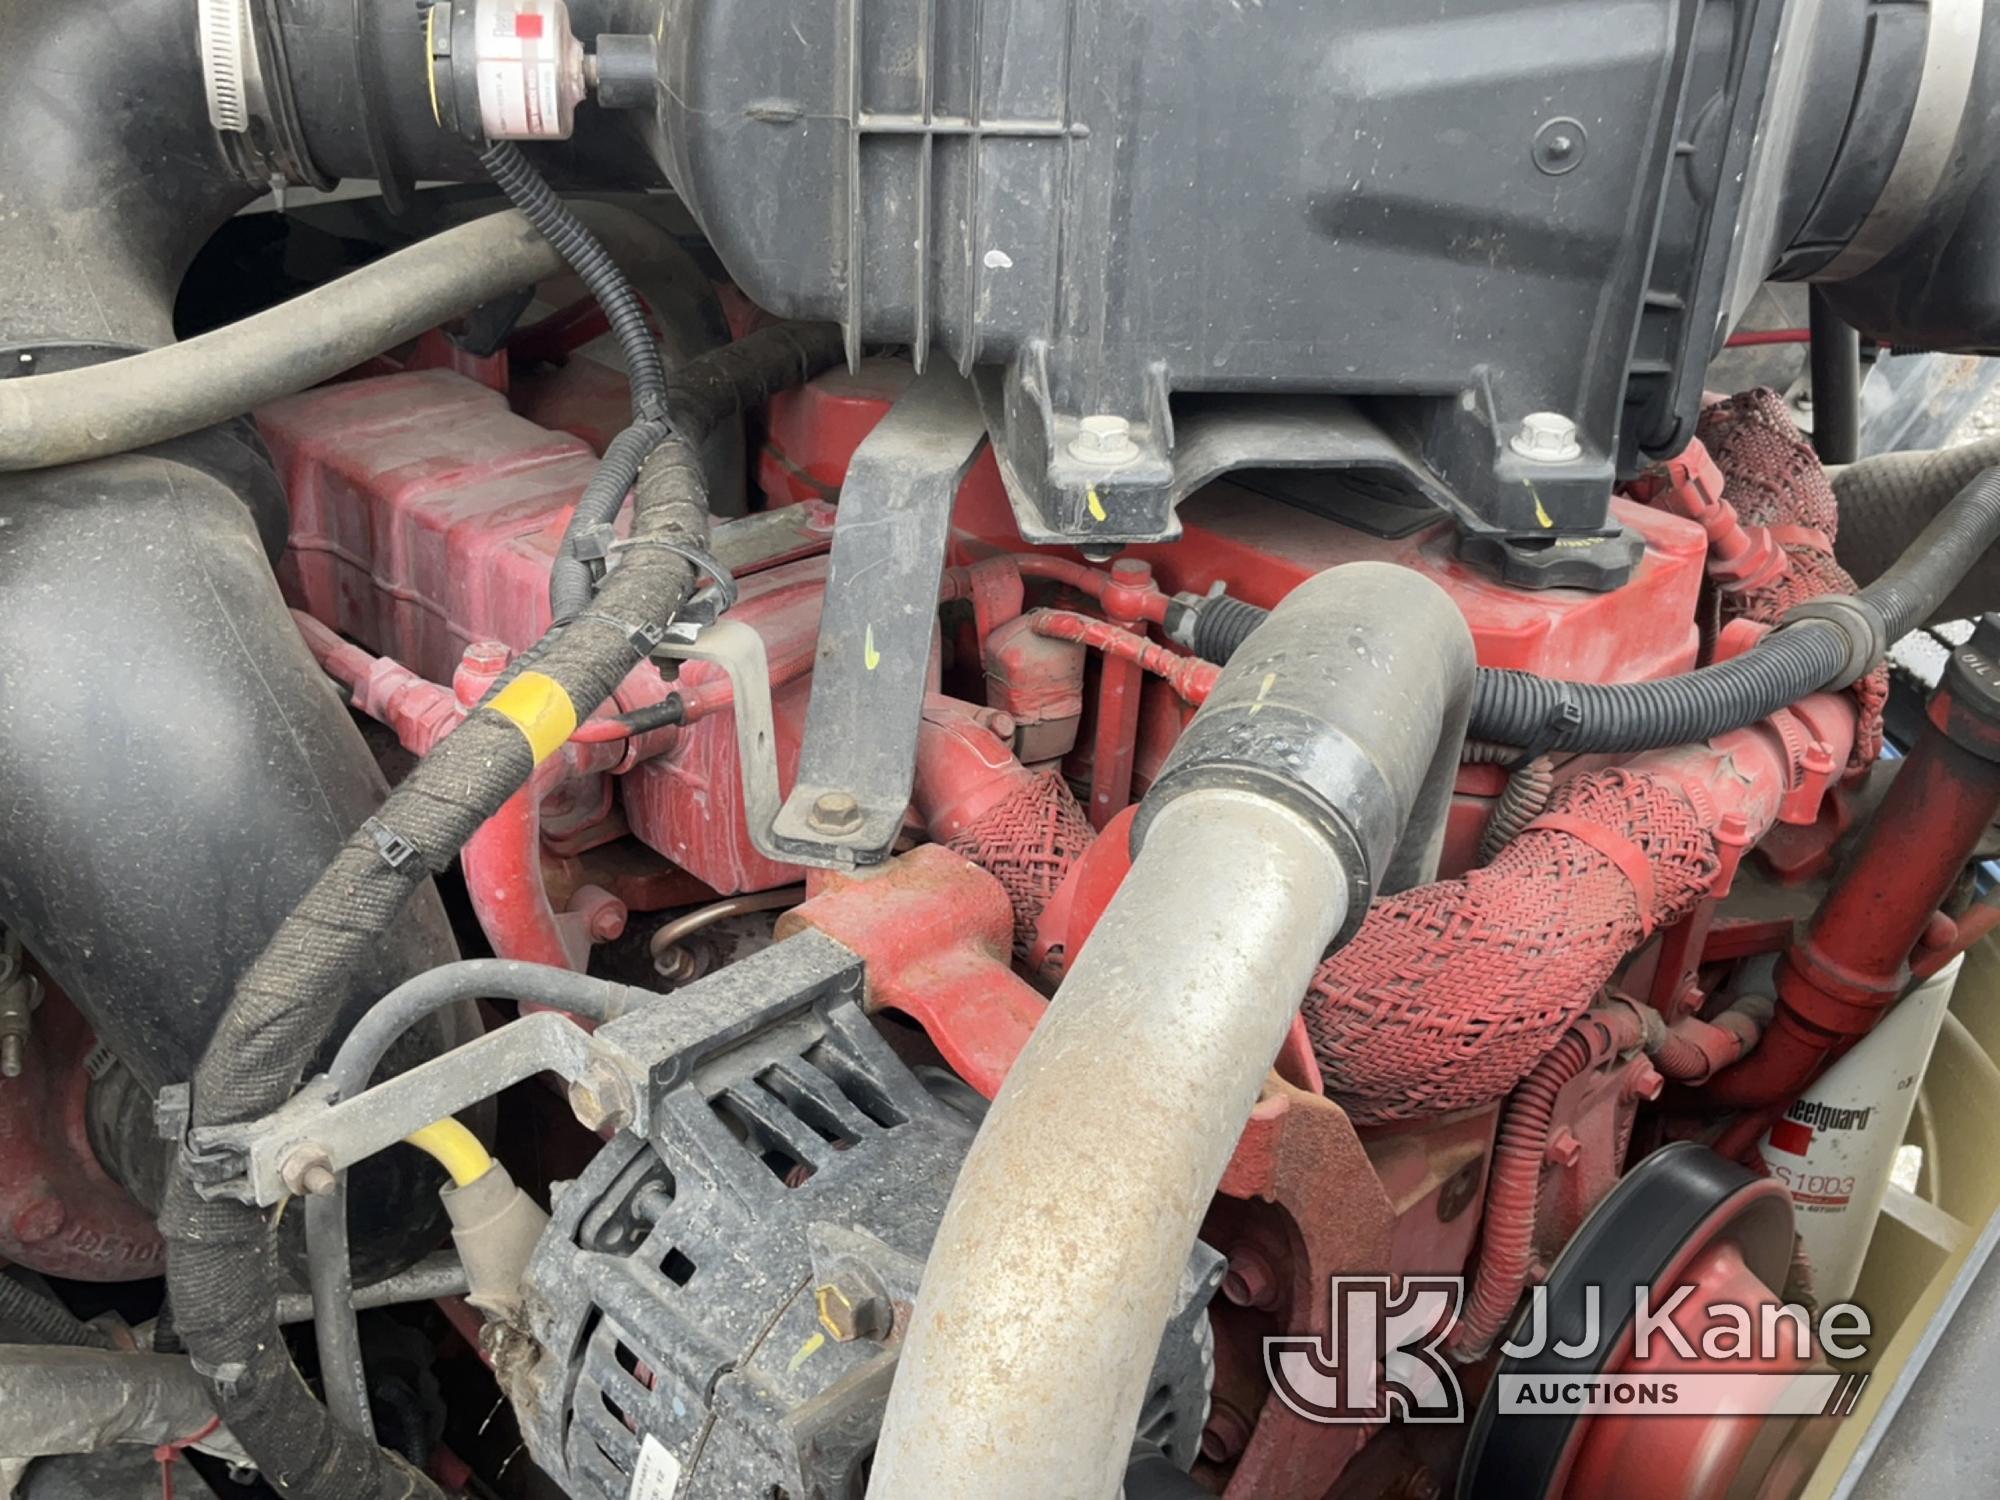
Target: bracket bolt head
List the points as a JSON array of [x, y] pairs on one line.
[[601, 1099], [1103, 439], [1564, 1149], [835, 812], [849, 1309], [1547, 437]]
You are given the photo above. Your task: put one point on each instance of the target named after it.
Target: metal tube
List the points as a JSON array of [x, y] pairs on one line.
[[435, 1276], [1054, 1270], [1835, 356], [333, 1299]]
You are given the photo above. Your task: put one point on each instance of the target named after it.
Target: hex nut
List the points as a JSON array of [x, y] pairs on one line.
[[601, 1099], [849, 1309], [1103, 439], [308, 1171], [1547, 437], [835, 812]]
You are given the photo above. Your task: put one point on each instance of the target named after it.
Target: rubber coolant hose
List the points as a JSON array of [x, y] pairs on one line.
[[221, 1264], [164, 393], [27, 1317], [1887, 499], [1834, 358]]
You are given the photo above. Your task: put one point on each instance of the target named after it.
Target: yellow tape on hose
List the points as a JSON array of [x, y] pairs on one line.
[[540, 709]]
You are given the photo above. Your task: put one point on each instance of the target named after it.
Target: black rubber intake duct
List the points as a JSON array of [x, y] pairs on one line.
[[176, 770]]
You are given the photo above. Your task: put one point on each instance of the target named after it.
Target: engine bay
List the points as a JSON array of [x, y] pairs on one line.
[[992, 750]]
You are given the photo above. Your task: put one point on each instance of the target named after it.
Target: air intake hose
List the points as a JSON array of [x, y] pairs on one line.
[[1284, 804]]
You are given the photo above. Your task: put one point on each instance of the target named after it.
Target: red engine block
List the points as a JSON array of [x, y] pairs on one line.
[[425, 515]]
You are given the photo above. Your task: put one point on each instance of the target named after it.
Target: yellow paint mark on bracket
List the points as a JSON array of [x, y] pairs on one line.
[[1096, 505], [870, 657], [430, 62], [807, 1350]]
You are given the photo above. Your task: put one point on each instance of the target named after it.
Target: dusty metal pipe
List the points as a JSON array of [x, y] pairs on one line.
[[1056, 1265]]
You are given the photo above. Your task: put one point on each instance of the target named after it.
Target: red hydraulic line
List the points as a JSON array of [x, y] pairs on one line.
[[1189, 676], [1753, 338]]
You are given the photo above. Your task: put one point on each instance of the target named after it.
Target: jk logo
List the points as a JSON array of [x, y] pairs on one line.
[[1380, 1360]]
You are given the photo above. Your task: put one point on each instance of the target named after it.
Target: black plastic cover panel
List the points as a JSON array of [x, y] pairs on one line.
[[1120, 207]]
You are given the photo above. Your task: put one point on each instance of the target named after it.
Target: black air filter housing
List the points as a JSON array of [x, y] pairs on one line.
[[1131, 208]]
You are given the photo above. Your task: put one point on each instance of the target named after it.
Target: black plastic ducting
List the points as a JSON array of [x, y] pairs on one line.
[[176, 769]]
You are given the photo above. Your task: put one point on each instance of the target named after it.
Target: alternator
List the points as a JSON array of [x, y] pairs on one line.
[[716, 1309]]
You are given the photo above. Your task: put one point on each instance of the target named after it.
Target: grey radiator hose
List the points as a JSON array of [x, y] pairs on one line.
[[163, 393], [1053, 1272]]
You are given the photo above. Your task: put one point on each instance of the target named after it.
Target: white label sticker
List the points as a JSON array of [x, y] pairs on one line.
[[524, 63], [658, 1473]]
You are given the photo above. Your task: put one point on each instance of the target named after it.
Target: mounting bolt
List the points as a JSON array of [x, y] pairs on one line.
[[849, 1309], [1564, 1149], [308, 1171], [1103, 439], [677, 964], [1558, 146], [490, 657], [19, 995], [1226, 1435], [602, 1099], [1644, 1082], [1250, 1280], [1547, 437], [603, 914], [835, 812]]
